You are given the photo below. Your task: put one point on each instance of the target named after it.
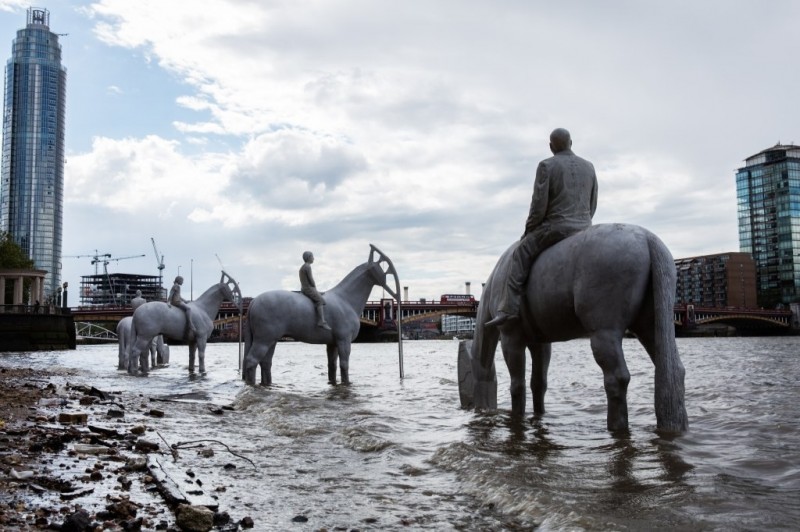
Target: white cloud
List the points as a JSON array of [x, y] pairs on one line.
[[419, 125]]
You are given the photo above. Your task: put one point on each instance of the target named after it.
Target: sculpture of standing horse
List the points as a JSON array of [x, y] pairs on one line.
[[600, 283], [159, 351], [278, 313], [157, 317]]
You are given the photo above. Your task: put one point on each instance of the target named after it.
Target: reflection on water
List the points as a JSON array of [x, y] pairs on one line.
[[387, 454]]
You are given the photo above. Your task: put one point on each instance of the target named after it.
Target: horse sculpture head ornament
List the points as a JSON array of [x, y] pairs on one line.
[[234, 294], [390, 269], [280, 313]]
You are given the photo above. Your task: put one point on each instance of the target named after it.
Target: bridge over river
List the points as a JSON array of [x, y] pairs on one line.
[[378, 320]]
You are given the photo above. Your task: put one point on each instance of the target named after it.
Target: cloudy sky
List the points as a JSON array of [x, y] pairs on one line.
[[253, 130]]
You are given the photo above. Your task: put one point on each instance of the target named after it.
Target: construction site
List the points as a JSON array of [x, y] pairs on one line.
[[104, 289]]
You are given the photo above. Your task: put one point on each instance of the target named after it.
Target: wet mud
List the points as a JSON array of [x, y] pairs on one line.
[[74, 457]]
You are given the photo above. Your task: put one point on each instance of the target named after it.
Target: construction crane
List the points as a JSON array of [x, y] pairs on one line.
[[96, 258], [159, 261], [105, 259]]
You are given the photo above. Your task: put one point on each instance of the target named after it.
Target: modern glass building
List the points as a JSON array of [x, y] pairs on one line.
[[768, 196], [32, 178]]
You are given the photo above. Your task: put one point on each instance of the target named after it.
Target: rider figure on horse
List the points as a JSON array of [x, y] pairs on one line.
[[564, 201], [176, 300], [138, 301], [309, 289]]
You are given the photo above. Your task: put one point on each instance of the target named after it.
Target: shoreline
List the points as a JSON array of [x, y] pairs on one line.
[[78, 458]]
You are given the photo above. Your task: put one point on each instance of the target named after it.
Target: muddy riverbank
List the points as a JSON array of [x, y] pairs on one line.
[[73, 457]]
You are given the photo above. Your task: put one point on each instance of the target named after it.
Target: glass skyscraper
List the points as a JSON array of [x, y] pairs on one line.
[[768, 197], [32, 186]]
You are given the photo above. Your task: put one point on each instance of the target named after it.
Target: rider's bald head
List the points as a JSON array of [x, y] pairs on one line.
[[307, 255], [560, 140]]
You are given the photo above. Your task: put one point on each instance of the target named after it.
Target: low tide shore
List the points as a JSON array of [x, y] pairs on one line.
[[76, 458]]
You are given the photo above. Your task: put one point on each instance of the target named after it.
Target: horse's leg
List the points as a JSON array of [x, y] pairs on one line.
[[135, 349], [513, 346], [266, 365], [153, 362], [344, 360], [144, 367], [123, 348], [192, 351], [254, 352], [201, 353], [607, 350], [540, 363], [333, 354]]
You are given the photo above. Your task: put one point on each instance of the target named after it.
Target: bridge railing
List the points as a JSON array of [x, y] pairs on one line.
[[33, 309]]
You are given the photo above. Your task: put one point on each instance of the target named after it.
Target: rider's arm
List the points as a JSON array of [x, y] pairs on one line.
[[539, 200]]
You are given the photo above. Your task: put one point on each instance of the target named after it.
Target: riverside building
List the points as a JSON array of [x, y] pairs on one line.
[[768, 198], [32, 176], [722, 280]]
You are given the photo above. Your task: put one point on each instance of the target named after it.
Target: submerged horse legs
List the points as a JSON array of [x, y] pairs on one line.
[[540, 363], [259, 354], [343, 348], [266, 365], [192, 352], [340, 351], [513, 345], [607, 350], [333, 356]]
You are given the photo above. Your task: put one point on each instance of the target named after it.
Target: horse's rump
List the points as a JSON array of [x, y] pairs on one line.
[[597, 278]]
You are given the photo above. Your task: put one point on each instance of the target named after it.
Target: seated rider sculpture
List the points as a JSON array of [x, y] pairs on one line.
[[176, 300], [309, 289], [138, 301], [563, 203]]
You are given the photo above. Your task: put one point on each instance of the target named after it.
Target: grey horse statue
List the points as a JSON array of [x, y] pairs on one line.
[[157, 317], [279, 313], [598, 283], [159, 351]]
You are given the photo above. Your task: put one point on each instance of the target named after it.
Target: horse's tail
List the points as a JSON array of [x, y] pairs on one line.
[[669, 389], [247, 334]]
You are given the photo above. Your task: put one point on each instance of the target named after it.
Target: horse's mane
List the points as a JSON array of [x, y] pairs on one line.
[[357, 272], [210, 289]]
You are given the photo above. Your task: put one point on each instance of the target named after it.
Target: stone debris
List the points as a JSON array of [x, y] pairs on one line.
[[67, 470], [194, 518]]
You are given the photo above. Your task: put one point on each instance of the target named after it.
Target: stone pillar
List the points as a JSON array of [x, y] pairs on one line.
[[18, 285]]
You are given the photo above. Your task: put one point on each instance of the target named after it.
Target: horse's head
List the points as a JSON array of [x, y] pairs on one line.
[[230, 290], [379, 273]]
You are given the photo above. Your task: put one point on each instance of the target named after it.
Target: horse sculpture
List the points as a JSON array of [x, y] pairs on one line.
[[278, 313], [598, 283], [157, 317], [159, 351]]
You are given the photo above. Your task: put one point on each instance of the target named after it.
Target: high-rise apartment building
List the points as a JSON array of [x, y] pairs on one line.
[[722, 280], [768, 197], [32, 178]]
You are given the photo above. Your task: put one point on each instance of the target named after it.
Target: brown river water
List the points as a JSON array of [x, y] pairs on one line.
[[391, 454]]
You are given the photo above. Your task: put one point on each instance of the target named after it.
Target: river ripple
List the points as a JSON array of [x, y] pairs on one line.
[[390, 454]]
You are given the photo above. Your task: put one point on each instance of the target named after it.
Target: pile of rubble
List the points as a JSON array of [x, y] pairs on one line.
[[75, 458]]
